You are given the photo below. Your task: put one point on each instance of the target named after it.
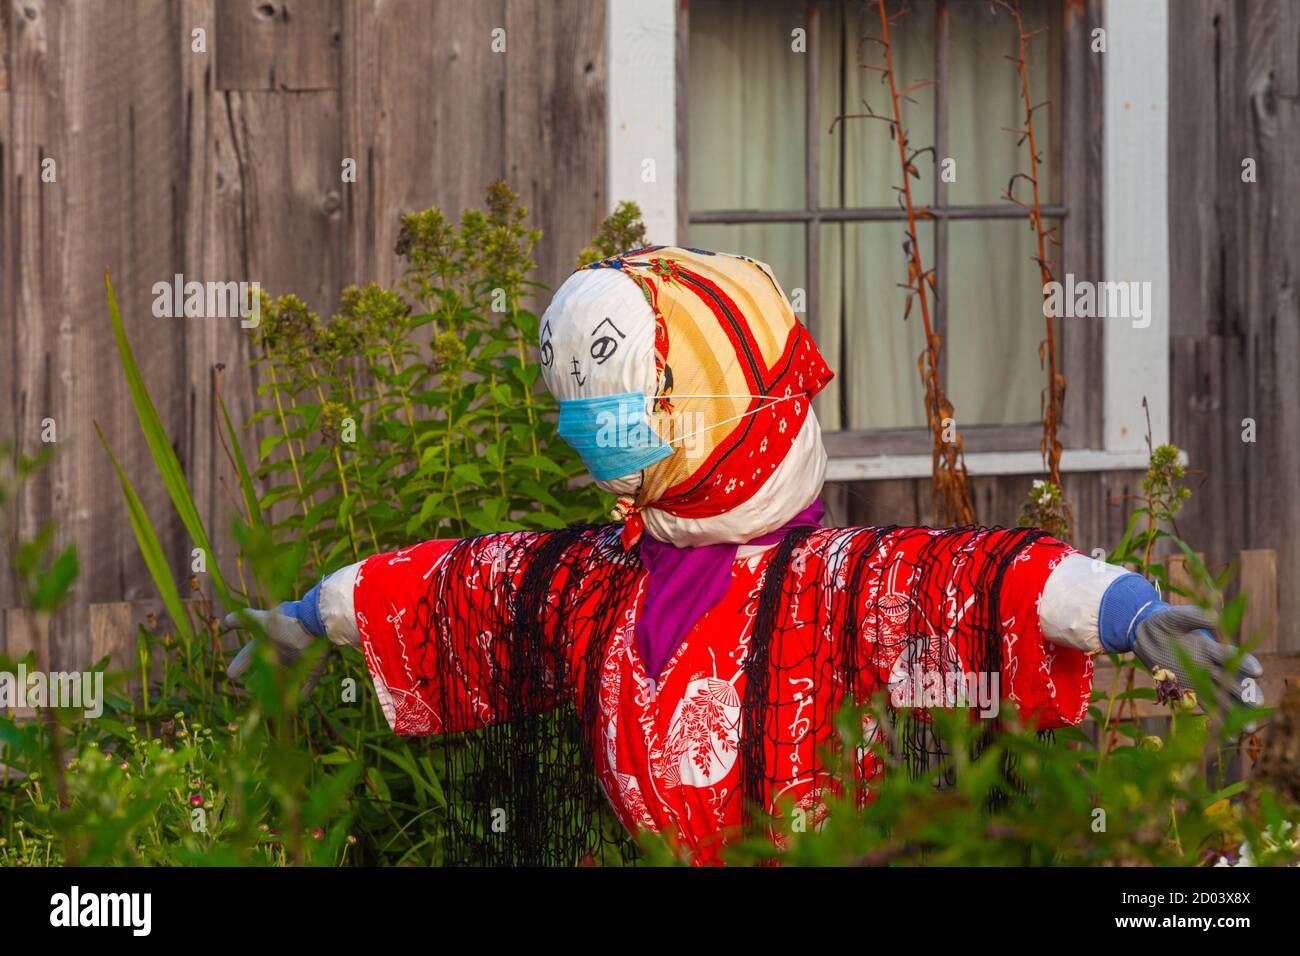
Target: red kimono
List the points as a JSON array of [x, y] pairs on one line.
[[857, 611]]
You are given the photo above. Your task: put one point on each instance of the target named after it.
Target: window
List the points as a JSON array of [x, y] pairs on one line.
[[766, 175]]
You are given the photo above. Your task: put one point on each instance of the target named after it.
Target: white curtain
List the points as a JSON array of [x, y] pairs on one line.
[[746, 112], [747, 151]]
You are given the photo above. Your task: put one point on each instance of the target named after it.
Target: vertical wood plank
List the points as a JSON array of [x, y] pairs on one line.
[[554, 112], [277, 44], [1258, 582], [414, 149], [1235, 246], [112, 635], [835, 496], [1180, 576], [94, 91], [8, 356], [29, 281], [26, 632], [1081, 232]]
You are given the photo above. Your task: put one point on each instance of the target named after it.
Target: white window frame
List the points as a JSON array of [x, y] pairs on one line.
[[641, 122]]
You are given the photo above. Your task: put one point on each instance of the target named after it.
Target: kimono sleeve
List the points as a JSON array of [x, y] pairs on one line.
[[953, 619], [1050, 681], [435, 623]]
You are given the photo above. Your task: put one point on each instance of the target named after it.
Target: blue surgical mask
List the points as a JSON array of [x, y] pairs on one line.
[[611, 434]]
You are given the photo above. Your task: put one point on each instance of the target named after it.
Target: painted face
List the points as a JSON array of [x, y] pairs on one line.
[[597, 353]]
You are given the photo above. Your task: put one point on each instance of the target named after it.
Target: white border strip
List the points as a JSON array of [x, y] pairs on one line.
[[983, 463], [641, 117], [1136, 71]]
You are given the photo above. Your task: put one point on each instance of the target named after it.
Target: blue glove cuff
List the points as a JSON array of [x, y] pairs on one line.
[[307, 611], [1128, 601]]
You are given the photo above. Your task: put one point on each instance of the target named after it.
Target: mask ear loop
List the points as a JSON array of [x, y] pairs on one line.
[[735, 418], [627, 510]]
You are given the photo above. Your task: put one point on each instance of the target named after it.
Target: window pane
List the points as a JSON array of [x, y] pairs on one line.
[[746, 105], [861, 329], [779, 244], [984, 96], [995, 322], [860, 165]]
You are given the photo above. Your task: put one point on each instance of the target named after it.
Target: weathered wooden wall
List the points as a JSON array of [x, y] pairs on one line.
[[1235, 270], [226, 165], [1102, 502]]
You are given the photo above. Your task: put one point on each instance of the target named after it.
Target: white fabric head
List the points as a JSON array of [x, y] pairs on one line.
[[597, 337]]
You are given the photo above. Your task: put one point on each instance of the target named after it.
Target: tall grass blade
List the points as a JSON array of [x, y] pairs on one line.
[[241, 467], [150, 547], [169, 466]]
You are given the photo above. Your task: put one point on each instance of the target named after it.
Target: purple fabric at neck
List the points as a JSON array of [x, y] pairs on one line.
[[684, 583]]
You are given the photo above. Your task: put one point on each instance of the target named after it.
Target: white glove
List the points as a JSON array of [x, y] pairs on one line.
[[286, 633]]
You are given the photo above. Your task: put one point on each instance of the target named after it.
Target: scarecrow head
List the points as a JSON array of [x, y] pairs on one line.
[[685, 383]]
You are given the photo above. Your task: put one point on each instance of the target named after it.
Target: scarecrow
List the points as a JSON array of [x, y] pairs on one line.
[[691, 657]]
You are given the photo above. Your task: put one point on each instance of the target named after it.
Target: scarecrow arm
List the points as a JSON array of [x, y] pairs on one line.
[[436, 625], [983, 608], [1035, 612], [1098, 607]]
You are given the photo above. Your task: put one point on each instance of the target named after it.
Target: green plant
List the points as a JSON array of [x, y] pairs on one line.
[[414, 412], [622, 231], [1045, 507], [43, 580], [1026, 800], [154, 778]]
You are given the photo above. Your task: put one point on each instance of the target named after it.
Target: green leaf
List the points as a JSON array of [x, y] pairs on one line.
[[164, 456], [469, 473], [544, 519], [541, 463], [246, 487], [150, 548], [378, 784], [52, 585], [268, 445]]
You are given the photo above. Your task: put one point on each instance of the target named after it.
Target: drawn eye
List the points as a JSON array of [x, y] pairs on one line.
[[606, 345], [548, 353]]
